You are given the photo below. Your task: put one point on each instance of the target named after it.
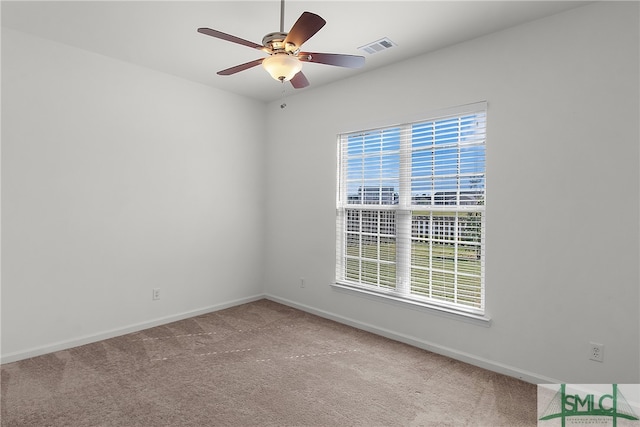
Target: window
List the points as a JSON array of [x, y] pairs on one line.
[[410, 210]]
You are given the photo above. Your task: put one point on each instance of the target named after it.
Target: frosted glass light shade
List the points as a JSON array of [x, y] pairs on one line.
[[282, 66]]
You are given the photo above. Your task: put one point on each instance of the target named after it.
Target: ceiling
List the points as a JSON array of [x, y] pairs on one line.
[[162, 35]]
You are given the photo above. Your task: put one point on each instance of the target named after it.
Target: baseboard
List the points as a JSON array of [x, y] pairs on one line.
[[471, 359], [416, 342], [88, 339]]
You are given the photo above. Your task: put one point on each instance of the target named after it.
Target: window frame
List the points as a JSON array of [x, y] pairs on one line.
[[404, 208]]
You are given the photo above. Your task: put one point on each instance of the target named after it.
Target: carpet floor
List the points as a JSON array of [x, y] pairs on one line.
[[257, 364]]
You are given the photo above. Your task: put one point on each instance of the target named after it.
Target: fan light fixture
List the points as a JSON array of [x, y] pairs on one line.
[[282, 66]]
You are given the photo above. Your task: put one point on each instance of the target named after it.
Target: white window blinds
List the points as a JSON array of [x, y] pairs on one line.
[[410, 209]]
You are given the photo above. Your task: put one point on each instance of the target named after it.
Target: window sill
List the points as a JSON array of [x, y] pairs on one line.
[[476, 319]]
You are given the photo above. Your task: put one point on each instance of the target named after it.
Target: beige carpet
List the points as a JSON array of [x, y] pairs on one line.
[[259, 364]]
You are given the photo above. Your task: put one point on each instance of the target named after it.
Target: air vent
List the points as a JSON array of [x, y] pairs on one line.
[[377, 46]]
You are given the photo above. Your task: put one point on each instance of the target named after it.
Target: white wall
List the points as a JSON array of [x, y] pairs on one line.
[[562, 194], [116, 180]]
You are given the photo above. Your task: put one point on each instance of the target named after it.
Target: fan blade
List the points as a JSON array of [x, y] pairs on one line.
[[305, 27], [299, 81], [240, 67], [229, 38], [349, 61]]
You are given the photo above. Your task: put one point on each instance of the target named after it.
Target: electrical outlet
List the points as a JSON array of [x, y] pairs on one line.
[[596, 352], [156, 294], [302, 282]]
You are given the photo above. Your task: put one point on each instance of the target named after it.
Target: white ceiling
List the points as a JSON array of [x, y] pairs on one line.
[[162, 34]]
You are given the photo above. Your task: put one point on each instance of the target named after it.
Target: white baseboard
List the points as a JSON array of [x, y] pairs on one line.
[[88, 339], [416, 342], [471, 359]]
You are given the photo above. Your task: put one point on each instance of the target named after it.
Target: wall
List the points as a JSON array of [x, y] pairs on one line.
[[562, 194], [117, 180]]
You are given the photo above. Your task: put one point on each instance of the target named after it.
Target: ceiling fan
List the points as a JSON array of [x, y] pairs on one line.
[[285, 59]]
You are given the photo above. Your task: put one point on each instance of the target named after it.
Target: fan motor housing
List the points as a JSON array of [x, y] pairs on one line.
[[275, 43]]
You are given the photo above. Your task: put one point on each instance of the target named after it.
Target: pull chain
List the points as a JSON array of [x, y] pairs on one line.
[[283, 105]]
